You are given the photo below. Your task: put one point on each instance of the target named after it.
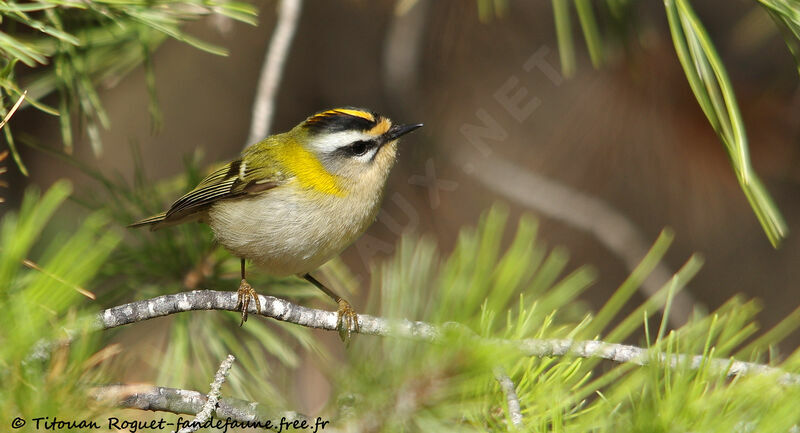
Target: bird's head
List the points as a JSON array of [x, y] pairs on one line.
[[355, 144]]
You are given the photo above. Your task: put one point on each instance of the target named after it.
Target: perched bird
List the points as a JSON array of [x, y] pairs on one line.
[[295, 200]]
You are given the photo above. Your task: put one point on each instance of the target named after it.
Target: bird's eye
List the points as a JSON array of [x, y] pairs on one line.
[[359, 148]]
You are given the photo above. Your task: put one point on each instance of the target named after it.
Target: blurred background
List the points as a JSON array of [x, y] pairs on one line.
[[502, 124]]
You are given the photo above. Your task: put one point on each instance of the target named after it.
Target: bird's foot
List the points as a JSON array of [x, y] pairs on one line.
[[347, 321], [244, 294]]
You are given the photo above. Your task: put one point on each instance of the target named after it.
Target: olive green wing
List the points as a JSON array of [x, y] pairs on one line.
[[232, 180]]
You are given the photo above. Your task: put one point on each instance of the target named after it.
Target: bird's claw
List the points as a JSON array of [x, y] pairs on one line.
[[347, 321], [243, 296]]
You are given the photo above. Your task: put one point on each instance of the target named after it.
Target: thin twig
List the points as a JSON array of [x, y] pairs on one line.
[[13, 109], [32, 265], [624, 353], [213, 397], [184, 401], [587, 213], [512, 399], [272, 69], [280, 309], [405, 38], [3, 169]]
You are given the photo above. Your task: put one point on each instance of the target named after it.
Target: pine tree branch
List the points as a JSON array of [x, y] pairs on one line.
[[213, 396], [280, 309], [184, 401], [512, 399], [623, 353], [271, 307]]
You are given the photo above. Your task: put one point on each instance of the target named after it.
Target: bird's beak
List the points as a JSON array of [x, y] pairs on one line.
[[399, 130]]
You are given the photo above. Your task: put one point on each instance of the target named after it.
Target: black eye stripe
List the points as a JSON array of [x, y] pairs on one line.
[[360, 147], [357, 148]]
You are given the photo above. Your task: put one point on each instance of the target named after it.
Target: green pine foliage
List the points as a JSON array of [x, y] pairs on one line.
[[488, 297], [48, 353], [150, 264], [69, 47], [705, 71], [501, 296]]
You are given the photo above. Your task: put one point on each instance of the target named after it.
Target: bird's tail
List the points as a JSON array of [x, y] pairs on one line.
[[150, 221]]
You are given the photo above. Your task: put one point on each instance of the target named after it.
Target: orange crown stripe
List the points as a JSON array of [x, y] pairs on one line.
[[381, 128]]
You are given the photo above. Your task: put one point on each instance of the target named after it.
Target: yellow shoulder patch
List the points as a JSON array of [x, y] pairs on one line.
[[310, 173]]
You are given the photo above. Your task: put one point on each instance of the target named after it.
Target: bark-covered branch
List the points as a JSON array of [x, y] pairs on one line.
[[512, 399], [624, 353], [213, 397], [271, 307], [183, 401], [288, 312]]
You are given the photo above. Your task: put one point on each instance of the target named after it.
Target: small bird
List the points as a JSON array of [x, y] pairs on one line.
[[294, 200]]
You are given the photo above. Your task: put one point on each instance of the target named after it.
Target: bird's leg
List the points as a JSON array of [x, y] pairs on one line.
[[243, 297], [348, 319]]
